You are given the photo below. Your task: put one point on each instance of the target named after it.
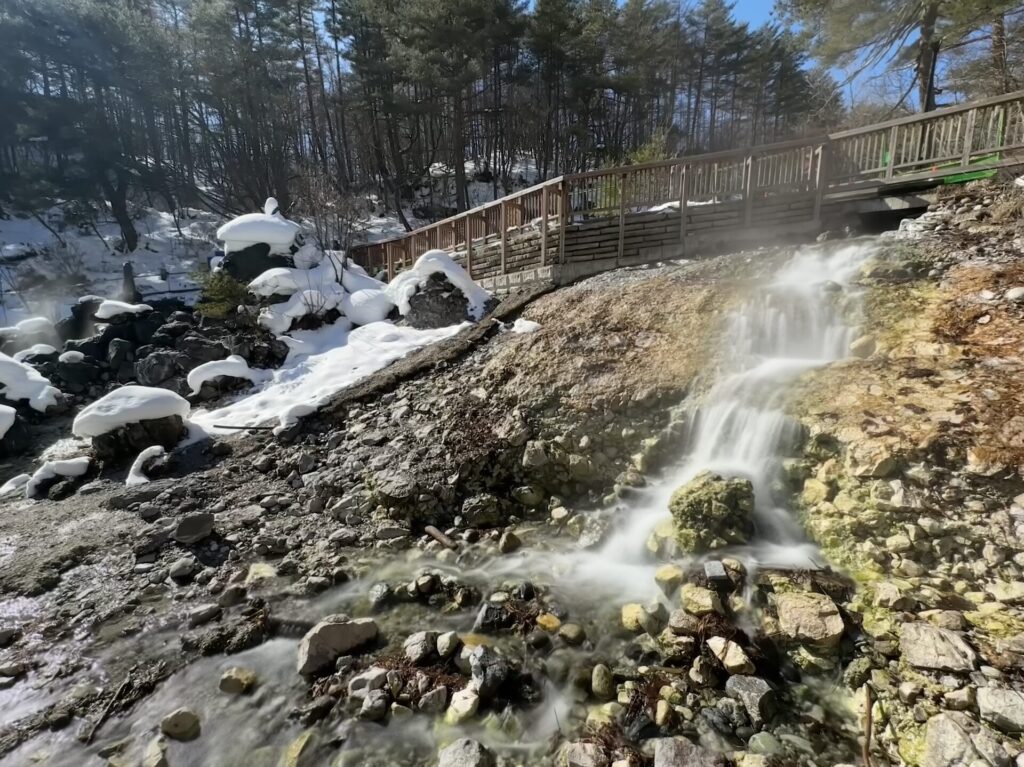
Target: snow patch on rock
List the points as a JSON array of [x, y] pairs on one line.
[[234, 367], [20, 381], [405, 285], [110, 309], [71, 467], [7, 416], [33, 350], [128, 404], [136, 475]]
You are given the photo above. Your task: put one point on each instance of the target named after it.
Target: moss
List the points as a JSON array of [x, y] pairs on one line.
[[997, 625], [710, 512], [911, 745]]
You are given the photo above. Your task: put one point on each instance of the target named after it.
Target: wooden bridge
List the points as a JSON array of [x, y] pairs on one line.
[[585, 223]]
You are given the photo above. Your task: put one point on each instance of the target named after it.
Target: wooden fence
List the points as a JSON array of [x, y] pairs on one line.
[[747, 183]]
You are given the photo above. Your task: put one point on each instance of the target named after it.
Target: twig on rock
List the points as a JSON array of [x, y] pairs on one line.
[[440, 537]]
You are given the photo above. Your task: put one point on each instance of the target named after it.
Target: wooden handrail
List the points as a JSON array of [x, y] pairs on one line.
[[842, 160]]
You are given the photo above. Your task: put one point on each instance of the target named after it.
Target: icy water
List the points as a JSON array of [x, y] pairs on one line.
[[804, 317]]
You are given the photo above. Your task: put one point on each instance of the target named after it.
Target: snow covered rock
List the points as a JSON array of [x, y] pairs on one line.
[[52, 472], [278, 319], [232, 367], [253, 228], [35, 353], [14, 434], [131, 419], [409, 283], [137, 472], [111, 310], [19, 381], [367, 305]]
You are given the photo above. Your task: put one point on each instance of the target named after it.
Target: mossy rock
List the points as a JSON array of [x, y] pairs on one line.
[[710, 512]]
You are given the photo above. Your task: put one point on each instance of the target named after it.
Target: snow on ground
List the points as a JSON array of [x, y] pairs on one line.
[[405, 285], [20, 381], [136, 475], [71, 467], [525, 326], [128, 404], [14, 484], [234, 366], [332, 358], [7, 415]]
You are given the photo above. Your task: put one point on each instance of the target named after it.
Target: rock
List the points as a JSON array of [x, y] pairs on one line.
[[925, 646], [488, 670], [433, 701], [203, 614], [482, 510], [374, 678], [636, 619], [679, 752], [448, 643], [602, 683], [331, 637], [193, 528], [583, 754], [238, 681], [17, 439], [572, 634], [1014, 294], [181, 724], [730, 655], [1002, 708], [699, 600], [809, 618], [248, 263], [420, 646], [683, 623], [710, 512], [160, 366], [375, 706], [669, 578], [955, 740], [509, 542], [183, 568], [756, 695], [534, 455], [131, 439], [463, 706], [465, 752], [437, 303]]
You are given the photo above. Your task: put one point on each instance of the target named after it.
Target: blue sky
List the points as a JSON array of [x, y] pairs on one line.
[[755, 11]]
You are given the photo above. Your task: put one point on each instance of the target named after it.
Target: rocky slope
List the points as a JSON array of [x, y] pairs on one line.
[[408, 557]]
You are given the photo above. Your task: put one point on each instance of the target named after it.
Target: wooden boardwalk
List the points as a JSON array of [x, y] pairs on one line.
[[584, 223]]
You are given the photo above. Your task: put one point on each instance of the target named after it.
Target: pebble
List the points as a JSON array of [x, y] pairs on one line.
[[238, 680], [181, 724]]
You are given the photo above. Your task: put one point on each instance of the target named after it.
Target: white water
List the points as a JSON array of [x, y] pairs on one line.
[[799, 321]]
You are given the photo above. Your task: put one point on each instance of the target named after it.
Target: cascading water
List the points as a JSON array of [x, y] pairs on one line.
[[802, 319]]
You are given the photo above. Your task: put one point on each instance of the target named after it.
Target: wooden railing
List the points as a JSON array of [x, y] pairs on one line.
[[925, 147]]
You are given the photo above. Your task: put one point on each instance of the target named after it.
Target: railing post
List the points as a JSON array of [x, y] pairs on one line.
[[748, 188], [469, 245], [622, 218], [544, 225], [563, 218], [820, 180], [890, 166], [504, 235], [389, 253], [965, 157], [684, 178]]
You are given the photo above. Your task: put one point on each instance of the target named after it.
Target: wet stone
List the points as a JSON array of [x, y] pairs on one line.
[[465, 752], [181, 724]]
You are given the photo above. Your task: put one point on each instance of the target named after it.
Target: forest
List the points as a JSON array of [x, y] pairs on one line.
[[217, 104]]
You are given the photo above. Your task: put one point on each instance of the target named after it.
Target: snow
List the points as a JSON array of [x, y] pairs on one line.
[[278, 318], [276, 231], [71, 467], [14, 484], [322, 363], [111, 308], [525, 326], [71, 357], [20, 381], [32, 350], [7, 416], [234, 366], [128, 404], [34, 325], [136, 475], [405, 285], [366, 306]]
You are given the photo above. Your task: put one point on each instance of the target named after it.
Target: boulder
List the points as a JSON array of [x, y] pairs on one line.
[[465, 752], [181, 724], [16, 440], [247, 264], [679, 752], [756, 695], [482, 510], [926, 646], [128, 440], [437, 304], [809, 618], [160, 366], [420, 646], [237, 680], [199, 349], [335, 635], [193, 528], [954, 739], [1002, 708], [710, 512]]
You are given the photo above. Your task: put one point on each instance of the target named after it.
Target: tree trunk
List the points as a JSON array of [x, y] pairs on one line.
[[927, 58], [459, 151], [999, 67], [117, 196]]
